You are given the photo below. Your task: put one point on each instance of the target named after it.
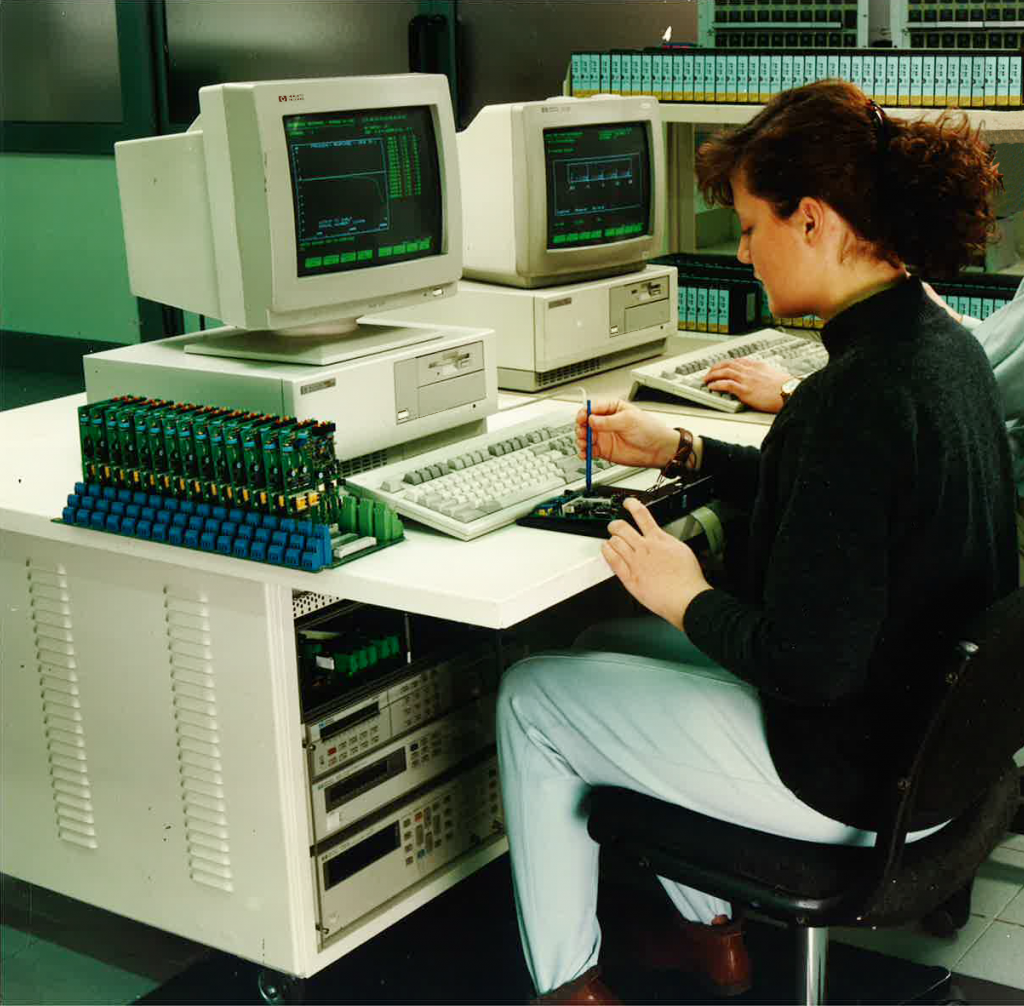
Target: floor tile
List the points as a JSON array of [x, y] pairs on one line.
[[998, 956], [46, 972], [1014, 911], [1014, 842], [998, 882], [106, 937], [912, 944]]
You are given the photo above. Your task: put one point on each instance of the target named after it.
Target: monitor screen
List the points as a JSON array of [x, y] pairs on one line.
[[598, 187], [366, 188]]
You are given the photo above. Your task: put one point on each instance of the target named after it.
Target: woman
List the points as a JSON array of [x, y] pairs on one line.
[[880, 503], [759, 385]]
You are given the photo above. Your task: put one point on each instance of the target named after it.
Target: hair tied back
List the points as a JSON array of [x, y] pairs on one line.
[[880, 123]]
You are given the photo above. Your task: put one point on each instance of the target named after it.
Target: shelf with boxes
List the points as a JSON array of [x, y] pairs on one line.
[[720, 296], [987, 88], [975, 24], [692, 228], [745, 24], [905, 78]]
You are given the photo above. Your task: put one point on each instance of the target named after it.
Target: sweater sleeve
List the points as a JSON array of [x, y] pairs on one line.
[[736, 470], [810, 639]]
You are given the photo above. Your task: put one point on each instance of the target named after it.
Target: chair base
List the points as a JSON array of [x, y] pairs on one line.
[[855, 975]]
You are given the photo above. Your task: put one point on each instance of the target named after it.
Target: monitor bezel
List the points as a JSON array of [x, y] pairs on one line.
[[248, 168], [531, 231]]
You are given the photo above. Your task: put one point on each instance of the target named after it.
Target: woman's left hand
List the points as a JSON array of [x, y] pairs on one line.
[[660, 571]]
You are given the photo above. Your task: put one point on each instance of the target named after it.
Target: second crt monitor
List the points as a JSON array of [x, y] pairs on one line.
[[562, 190], [563, 202]]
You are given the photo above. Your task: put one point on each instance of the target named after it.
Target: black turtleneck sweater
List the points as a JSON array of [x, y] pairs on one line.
[[881, 506]]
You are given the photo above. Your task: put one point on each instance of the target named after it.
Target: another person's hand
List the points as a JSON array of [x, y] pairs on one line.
[[755, 383], [626, 435], [660, 571]]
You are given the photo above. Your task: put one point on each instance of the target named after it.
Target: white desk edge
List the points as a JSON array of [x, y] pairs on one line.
[[494, 581]]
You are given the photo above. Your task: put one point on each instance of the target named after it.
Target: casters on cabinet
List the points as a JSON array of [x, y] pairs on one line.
[[276, 988]]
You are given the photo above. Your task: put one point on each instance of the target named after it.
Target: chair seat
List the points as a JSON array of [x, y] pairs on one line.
[[787, 877]]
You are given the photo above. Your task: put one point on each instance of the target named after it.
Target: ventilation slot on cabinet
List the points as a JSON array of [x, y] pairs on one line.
[[194, 698], [305, 602], [582, 368], [50, 613]]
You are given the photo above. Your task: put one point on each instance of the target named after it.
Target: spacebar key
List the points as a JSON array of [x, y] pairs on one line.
[[519, 494]]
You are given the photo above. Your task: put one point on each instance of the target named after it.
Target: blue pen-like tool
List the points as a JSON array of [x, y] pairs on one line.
[[590, 445]]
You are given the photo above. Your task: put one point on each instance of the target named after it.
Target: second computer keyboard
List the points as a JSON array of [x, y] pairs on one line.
[[484, 482], [683, 375]]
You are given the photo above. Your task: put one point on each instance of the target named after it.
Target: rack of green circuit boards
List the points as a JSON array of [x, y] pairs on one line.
[[246, 484], [349, 650]]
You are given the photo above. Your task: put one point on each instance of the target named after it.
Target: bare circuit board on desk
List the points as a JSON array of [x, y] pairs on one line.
[[588, 512]]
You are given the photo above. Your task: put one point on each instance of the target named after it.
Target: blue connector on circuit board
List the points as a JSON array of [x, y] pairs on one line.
[[283, 541], [250, 485]]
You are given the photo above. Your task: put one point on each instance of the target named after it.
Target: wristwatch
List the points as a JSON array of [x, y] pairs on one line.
[[788, 388]]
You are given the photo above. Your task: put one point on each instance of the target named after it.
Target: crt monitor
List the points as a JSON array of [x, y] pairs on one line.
[[291, 208], [562, 190]]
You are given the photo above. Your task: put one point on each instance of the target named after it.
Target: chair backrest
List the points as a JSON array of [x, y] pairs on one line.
[[978, 723]]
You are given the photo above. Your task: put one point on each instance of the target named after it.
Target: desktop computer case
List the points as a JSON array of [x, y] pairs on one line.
[[381, 403], [556, 334]]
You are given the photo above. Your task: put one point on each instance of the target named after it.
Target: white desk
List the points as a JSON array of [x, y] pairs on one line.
[[142, 645], [494, 581]]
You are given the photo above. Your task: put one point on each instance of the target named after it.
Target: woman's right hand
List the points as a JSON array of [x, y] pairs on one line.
[[625, 435]]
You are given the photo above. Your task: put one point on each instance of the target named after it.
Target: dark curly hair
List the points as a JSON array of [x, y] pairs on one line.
[[919, 191]]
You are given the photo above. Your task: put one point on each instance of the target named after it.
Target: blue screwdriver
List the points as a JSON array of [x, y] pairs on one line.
[[590, 445]]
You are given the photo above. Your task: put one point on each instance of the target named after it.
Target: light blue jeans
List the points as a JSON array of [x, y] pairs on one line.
[[633, 704]]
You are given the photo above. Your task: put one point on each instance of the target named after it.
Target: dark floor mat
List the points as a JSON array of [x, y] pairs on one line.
[[463, 947]]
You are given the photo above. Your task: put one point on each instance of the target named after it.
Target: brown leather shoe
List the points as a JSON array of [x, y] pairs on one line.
[[655, 936], [587, 989], [715, 954]]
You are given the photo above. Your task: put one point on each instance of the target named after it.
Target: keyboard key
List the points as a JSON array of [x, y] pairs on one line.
[[483, 483], [683, 375]]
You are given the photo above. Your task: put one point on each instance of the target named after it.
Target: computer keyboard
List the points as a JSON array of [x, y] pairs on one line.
[[683, 375], [486, 481]]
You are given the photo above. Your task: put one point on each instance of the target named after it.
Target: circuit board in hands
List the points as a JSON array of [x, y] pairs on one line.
[[589, 512]]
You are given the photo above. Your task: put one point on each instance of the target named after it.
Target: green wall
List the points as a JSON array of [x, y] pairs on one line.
[[62, 261]]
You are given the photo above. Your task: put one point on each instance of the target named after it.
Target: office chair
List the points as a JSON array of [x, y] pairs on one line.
[[961, 763]]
